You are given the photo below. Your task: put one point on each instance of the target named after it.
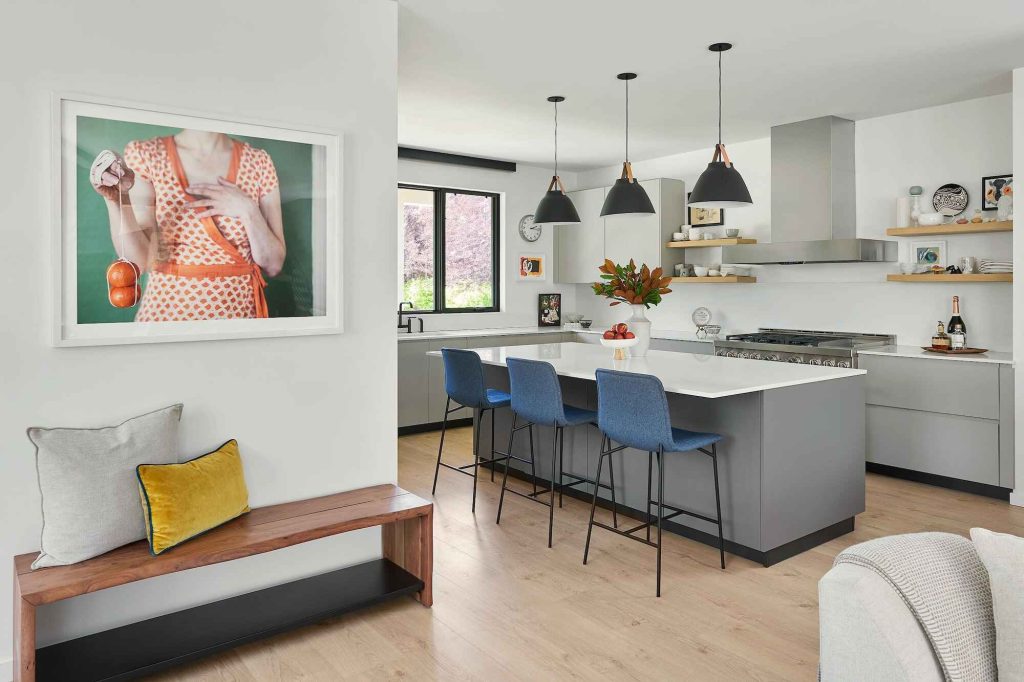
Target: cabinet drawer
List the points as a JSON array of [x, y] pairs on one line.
[[959, 447], [969, 389]]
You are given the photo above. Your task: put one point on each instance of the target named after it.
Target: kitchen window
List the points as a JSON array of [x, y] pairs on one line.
[[449, 259]]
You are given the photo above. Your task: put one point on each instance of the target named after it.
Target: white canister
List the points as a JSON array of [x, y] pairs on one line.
[[696, 234], [903, 212]]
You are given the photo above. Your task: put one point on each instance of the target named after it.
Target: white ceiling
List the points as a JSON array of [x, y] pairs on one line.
[[474, 74]]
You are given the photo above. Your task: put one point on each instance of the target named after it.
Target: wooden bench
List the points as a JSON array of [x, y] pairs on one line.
[[143, 648]]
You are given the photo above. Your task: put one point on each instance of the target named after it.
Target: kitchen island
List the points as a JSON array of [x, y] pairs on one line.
[[791, 460]]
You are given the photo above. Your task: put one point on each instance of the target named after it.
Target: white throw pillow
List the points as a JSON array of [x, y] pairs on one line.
[[1003, 556], [87, 480]]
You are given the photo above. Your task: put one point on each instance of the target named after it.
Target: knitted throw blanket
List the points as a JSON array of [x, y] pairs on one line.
[[946, 587]]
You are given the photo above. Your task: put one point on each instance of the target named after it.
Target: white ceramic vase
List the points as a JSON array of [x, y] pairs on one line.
[[641, 326]]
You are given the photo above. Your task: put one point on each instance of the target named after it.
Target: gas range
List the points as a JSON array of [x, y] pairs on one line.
[[829, 349]]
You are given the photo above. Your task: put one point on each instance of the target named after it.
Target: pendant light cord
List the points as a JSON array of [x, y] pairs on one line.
[[627, 121], [556, 139], [719, 98]]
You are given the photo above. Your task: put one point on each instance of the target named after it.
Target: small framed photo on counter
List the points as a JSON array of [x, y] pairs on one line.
[[549, 310]]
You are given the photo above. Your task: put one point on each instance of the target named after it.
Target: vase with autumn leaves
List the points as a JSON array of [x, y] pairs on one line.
[[640, 289]]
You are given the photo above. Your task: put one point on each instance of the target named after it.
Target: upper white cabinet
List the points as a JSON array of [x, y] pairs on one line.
[[580, 249]]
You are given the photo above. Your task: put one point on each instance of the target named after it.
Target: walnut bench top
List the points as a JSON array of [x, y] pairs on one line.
[[264, 529]]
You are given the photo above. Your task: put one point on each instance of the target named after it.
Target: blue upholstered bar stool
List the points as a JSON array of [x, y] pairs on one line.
[[537, 399], [632, 410], [464, 384]]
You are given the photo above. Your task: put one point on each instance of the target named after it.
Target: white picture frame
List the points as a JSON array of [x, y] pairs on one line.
[[326, 233], [922, 252]]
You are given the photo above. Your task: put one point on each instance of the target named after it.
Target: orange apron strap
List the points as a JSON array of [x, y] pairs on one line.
[[250, 270]]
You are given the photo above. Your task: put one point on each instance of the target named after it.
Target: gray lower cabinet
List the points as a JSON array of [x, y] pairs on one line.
[[942, 417], [412, 382]]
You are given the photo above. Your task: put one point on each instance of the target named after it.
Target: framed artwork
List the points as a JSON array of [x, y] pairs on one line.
[[532, 267], [993, 188], [549, 310], [928, 253], [704, 217], [181, 226]]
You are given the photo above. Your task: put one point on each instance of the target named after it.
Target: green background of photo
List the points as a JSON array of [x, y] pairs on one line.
[[290, 294]]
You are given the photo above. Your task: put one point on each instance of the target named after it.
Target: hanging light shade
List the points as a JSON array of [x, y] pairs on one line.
[[627, 196], [555, 207], [720, 185]]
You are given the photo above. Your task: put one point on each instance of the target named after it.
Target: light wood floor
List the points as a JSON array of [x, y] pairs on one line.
[[508, 608]]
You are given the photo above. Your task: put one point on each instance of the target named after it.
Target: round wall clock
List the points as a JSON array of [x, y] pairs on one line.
[[950, 200], [528, 230]]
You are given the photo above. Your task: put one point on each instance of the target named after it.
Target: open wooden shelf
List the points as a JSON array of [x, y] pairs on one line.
[[728, 279], [981, 277], [937, 230], [706, 243]]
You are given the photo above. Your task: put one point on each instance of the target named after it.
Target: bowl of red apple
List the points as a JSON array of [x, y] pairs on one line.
[[618, 337]]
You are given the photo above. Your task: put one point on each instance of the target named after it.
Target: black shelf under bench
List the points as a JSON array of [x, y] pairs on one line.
[[143, 648]]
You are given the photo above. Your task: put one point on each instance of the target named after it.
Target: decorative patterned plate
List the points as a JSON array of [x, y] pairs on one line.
[[950, 200], [959, 351]]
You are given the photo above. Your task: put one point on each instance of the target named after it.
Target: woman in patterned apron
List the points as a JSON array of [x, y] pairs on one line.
[[201, 213]]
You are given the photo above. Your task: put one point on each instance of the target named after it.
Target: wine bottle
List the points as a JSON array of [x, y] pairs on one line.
[[956, 328]]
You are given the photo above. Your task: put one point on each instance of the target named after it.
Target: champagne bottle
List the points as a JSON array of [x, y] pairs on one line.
[[956, 328]]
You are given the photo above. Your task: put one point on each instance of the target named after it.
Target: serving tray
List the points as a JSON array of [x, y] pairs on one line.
[[950, 351]]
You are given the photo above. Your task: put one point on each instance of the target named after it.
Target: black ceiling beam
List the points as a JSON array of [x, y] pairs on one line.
[[455, 159]]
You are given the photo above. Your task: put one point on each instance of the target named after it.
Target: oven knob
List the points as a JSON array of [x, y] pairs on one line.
[[814, 361], [844, 363], [774, 357], [733, 354], [795, 358], [829, 363]]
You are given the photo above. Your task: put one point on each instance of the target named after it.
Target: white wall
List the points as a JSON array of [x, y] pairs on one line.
[[959, 142], [313, 415], [520, 192]]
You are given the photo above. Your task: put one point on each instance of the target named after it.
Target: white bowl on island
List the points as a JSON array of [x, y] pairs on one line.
[[619, 346]]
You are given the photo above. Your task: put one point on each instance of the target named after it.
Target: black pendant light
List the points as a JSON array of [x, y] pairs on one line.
[[555, 207], [720, 185], [626, 196]]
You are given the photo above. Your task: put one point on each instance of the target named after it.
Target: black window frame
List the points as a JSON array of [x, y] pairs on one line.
[[439, 194]]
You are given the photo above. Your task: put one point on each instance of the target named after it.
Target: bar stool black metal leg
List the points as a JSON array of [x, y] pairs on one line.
[[494, 413], [661, 501], [504, 478], [561, 466], [718, 505], [650, 475], [476, 456], [593, 503], [533, 463], [551, 508], [444, 427], [611, 485]]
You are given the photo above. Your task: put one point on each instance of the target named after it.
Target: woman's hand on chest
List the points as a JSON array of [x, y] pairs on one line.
[[222, 199]]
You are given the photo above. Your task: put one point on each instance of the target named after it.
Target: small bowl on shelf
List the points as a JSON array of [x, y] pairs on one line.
[[700, 271], [713, 329], [586, 323], [680, 237], [619, 346], [930, 219], [732, 233]]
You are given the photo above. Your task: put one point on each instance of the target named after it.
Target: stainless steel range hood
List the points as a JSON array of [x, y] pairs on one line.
[[814, 216]]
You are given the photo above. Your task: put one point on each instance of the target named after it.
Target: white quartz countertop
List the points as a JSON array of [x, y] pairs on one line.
[[470, 333], [918, 352], [670, 334], [699, 375]]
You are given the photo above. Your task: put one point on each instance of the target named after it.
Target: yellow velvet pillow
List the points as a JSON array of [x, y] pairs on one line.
[[181, 501]]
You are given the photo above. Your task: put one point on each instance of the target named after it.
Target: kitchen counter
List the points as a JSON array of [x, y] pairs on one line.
[[667, 334], [918, 352], [701, 376], [791, 460], [470, 333]]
